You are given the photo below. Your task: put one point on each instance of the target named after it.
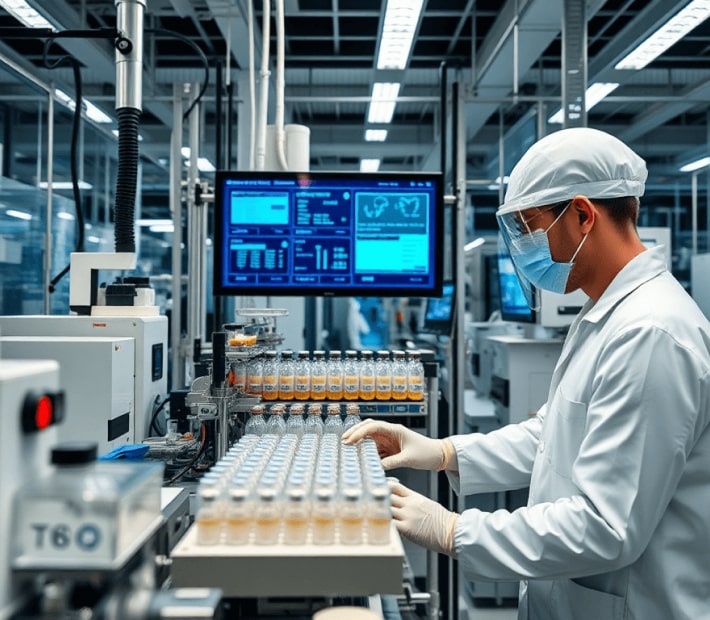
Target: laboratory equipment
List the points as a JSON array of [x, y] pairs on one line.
[[148, 366], [96, 375]]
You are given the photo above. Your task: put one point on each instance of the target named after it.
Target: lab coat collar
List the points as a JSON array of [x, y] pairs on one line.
[[637, 271]]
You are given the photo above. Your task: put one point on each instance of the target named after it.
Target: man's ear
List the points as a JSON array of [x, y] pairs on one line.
[[586, 212]]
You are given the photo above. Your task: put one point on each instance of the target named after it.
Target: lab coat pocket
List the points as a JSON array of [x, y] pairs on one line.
[[588, 604], [564, 434]]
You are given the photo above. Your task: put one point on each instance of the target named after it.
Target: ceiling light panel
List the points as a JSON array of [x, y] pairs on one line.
[[593, 95], [375, 135], [400, 24], [667, 35], [24, 13], [383, 102], [369, 165]]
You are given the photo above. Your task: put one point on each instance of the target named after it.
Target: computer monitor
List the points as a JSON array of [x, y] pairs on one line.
[[513, 305], [439, 312], [551, 309], [328, 234]]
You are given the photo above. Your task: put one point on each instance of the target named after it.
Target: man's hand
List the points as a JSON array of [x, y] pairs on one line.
[[422, 520], [399, 446]]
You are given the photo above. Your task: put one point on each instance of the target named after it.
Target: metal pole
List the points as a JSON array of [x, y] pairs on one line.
[[178, 360], [48, 247], [694, 211]]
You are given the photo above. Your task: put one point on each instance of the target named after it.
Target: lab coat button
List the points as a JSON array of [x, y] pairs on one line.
[[541, 446]]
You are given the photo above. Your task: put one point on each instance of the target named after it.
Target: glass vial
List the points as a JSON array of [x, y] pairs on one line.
[[379, 516], [399, 376], [351, 376], [352, 415], [335, 376], [314, 421], [295, 424], [333, 421], [276, 424], [267, 522], [415, 376], [319, 376], [324, 516], [239, 516], [287, 377], [209, 513], [351, 516], [255, 375], [367, 376], [383, 373], [256, 425], [296, 514], [270, 376], [302, 371]]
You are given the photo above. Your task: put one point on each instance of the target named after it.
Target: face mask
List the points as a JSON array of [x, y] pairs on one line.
[[533, 259]]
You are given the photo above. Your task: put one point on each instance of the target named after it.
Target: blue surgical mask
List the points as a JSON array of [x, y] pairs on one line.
[[533, 260]]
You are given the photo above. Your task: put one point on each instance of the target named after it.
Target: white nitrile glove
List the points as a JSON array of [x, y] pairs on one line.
[[422, 520], [399, 446]]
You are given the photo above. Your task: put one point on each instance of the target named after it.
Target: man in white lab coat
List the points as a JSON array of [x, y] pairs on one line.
[[618, 458]]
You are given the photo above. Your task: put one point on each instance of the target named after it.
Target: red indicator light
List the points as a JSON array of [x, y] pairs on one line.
[[43, 413]]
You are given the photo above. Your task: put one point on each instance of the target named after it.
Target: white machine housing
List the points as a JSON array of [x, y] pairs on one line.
[[23, 457], [521, 374], [96, 375], [149, 366]]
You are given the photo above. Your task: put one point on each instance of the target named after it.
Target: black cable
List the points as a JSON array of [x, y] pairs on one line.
[[153, 419], [194, 459], [78, 99], [200, 53]]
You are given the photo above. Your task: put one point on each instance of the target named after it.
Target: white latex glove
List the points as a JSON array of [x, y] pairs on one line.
[[399, 446], [422, 520]]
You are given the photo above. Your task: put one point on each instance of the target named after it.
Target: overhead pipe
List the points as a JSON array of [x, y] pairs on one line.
[[129, 69], [260, 155], [280, 85]]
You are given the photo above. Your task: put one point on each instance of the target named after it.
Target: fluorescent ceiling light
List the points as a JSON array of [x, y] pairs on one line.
[[696, 165], [65, 185], [383, 102], [203, 164], [155, 222], [595, 93], [26, 14], [667, 35], [93, 239], [401, 19], [369, 165], [20, 215], [64, 215], [375, 135], [91, 110], [472, 245], [162, 228]]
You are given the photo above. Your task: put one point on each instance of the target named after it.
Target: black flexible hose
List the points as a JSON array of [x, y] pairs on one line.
[[126, 179]]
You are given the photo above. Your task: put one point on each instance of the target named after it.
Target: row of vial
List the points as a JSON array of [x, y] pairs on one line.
[[284, 490], [299, 425], [289, 376]]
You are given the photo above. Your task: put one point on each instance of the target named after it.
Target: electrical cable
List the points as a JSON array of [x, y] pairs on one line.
[[187, 467], [79, 246], [200, 53], [154, 418]]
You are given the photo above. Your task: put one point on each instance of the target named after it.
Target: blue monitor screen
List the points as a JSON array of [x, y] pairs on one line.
[[328, 233], [513, 305], [438, 316]]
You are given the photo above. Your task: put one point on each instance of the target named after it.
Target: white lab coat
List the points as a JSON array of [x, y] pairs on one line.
[[618, 464]]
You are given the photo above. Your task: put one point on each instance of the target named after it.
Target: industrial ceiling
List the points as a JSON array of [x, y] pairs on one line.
[[331, 45]]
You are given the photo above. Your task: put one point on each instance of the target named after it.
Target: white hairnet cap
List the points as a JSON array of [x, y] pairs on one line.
[[574, 161]]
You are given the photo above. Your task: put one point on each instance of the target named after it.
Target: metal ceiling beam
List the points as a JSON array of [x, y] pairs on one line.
[[539, 23]]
